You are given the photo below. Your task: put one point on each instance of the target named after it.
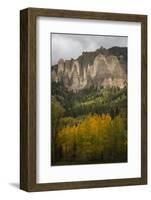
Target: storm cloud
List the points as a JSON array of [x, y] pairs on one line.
[[69, 46]]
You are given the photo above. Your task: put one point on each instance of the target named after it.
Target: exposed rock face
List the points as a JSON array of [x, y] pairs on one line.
[[99, 68]]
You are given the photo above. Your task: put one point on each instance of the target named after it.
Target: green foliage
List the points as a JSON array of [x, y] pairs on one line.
[[57, 111], [70, 121], [91, 100], [108, 100]]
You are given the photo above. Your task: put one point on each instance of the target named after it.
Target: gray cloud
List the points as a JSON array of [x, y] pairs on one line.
[[69, 46]]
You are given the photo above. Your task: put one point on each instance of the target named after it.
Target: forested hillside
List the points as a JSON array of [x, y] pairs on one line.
[[89, 126], [89, 108]]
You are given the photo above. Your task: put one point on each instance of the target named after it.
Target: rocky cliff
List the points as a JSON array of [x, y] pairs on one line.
[[101, 68]]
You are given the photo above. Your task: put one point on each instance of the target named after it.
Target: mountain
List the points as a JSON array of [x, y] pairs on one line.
[[100, 68]]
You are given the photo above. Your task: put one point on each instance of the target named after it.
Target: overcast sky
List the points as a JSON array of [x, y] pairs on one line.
[[69, 46]]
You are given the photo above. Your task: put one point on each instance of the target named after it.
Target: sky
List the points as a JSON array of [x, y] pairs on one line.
[[69, 46]]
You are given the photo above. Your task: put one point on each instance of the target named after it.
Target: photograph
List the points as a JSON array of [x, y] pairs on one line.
[[88, 99], [83, 99]]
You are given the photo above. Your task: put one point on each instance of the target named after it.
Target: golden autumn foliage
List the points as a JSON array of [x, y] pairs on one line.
[[97, 138]]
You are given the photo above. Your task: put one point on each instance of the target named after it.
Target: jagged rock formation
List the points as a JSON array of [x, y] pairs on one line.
[[103, 67]]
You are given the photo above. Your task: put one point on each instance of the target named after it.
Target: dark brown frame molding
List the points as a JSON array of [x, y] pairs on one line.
[[28, 98]]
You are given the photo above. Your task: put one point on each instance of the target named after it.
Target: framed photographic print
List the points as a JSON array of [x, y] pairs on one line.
[[83, 99]]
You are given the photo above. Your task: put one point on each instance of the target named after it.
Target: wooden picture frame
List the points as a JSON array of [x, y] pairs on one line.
[[28, 99]]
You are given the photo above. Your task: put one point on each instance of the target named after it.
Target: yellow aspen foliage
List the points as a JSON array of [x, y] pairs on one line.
[[96, 138]]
